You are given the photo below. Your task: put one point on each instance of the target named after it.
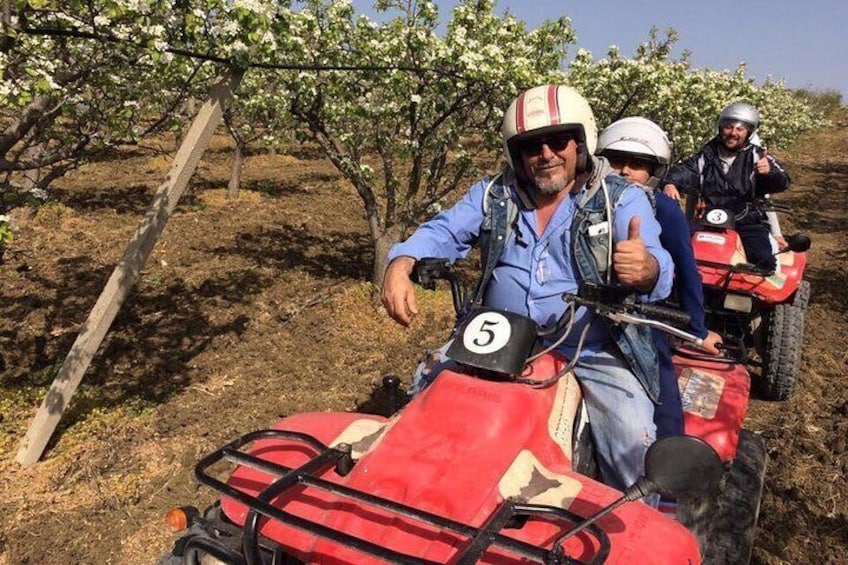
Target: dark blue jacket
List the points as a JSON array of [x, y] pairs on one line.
[[702, 173], [687, 280]]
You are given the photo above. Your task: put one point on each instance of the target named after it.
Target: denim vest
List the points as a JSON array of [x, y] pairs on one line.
[[592, 256], [500, 212], [593, 263]]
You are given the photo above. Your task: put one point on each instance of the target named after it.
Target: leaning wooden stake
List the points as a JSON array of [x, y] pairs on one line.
[[126, 272]]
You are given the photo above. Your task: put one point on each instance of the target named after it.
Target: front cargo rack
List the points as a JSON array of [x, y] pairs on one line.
[[479, 539]]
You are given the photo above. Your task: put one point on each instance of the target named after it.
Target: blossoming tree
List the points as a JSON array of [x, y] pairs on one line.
[[407, 110], [409, 126]]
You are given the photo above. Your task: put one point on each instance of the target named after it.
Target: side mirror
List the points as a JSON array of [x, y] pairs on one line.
[[675, 466], [683, 466], [798, 243]]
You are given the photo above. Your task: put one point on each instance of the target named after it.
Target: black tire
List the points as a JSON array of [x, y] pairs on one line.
[[696, 514], [802, 295], [784, 337], [734, 521]]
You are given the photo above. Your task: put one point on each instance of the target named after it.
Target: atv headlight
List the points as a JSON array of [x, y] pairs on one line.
[[738, 303]]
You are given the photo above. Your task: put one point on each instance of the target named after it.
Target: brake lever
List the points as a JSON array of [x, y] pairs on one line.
[[625, 317], [620, 315]]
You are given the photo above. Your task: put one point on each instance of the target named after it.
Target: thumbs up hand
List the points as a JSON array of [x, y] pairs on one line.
[[633, 233], [763, 165], [631, 261]]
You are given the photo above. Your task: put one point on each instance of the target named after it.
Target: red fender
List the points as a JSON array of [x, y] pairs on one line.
[[725, 248]]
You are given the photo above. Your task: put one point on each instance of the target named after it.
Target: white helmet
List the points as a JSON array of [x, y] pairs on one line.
[[639, 138], [740, 112], [547, 109]]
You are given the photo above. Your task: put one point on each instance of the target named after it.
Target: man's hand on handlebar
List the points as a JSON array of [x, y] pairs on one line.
[[398, 294], [671, 191], [711, 343]]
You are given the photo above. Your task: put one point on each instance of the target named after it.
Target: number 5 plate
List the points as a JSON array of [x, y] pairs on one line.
[[494, 340]]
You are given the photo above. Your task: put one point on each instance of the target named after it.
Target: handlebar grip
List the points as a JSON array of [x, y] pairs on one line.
[[429, 269], [663, 314]]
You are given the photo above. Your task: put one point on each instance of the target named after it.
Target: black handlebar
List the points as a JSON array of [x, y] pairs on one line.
[[663, 314], [428, 270], [668, 316], [769, 205], [618, 299]]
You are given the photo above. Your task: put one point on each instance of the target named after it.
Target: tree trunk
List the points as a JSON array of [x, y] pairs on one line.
[[31, 177], [382, 245], [235, 174]]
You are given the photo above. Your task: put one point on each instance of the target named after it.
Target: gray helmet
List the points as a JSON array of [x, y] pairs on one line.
[[740, 112]]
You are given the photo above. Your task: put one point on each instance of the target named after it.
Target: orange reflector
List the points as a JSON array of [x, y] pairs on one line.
[[176, 520]]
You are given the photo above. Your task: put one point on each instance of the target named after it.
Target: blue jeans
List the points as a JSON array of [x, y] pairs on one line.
[[434, 362], [620, 414]]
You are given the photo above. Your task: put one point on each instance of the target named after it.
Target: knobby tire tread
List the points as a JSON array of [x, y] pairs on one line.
[[734, 522], [802, 295], [784, 341]]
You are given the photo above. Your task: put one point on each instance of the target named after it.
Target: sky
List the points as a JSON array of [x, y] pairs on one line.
[[804, 42]]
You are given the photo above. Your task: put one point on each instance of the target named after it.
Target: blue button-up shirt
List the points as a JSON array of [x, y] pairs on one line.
[[535, 269]]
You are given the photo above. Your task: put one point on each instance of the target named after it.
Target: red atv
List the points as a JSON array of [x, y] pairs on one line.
[[762, 309], [487, 465]]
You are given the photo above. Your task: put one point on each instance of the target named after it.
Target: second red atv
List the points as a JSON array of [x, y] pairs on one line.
[[763, 309], [489, 464]]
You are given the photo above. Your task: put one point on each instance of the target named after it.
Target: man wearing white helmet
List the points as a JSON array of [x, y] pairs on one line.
[[544, 225], [640, 150], [732, 172]]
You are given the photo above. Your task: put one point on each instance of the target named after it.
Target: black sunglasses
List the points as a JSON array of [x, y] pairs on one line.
[[619, 162], [556, 143]]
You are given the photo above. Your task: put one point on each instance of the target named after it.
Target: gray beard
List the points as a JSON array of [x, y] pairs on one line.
[[551, 187]]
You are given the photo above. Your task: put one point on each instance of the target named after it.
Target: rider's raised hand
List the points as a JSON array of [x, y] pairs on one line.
[[763, 164], [397, 294], [671, 191], [631, 261]]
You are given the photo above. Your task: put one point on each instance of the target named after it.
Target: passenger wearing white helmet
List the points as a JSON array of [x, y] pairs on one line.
[[546, 223], [732, 172], [639, 150], [636, 148]]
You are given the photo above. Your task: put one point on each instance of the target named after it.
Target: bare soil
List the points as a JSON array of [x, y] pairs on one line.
[[256, 308]]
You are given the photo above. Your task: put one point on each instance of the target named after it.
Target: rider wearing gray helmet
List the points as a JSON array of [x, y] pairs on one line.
[[731, 172]]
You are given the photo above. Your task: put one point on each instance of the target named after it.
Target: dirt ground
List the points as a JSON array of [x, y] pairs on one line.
[[254, 309]]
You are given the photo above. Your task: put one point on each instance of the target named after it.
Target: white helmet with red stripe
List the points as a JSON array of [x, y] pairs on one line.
[[548, 109]]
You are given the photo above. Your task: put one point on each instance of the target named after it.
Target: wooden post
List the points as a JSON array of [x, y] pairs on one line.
[[126, 272]]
